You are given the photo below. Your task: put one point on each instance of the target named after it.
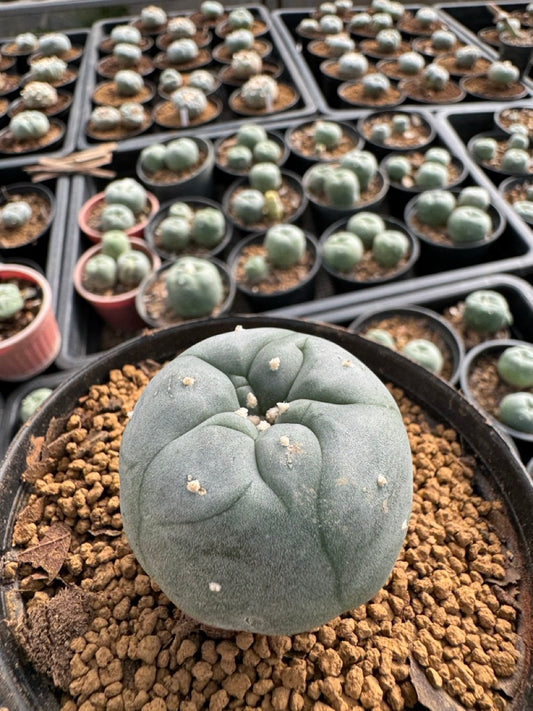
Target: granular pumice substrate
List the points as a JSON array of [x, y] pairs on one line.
[[451, 608]]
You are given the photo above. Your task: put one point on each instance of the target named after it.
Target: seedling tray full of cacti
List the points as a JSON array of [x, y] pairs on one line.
[[227, 102]]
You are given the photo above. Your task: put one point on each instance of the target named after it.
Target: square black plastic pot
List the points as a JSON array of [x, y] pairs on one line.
[[68, 142], [228, 119]]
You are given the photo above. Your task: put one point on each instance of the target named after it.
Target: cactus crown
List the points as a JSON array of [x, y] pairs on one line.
[[260, 92], [194, 287], [54, 44], [190, 100], [105, 118], [246, 63], [11, 300], [285, 245], [26, 42], [49, 69], [128, 82], [132, 114], [212, 9], [126, 33], [128, 192], [181, 27], [203, 80], [132, 267], [182, 50], [152, 17], [343, 250], [15, 214], [127, 55], [100, 273], [28, 125], [170, 80], [436, 76], [38, 95], [486, 311], [240, 18], [181, 154]]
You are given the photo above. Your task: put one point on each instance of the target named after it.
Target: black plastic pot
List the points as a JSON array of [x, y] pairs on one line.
[[400, 191], [511, 183], [259, 301], [31, 248], [496, 174], [518, 54], [498, 474], [381, 149]]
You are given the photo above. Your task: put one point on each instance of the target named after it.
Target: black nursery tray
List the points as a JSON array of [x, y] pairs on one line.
[[67, 144], [229, 120]]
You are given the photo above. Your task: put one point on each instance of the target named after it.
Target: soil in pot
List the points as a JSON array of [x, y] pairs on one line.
[[107, 45], [41, 215], [9, 83], [223, 54], [302, 140], [496, 163], [224, 145], [12, 145], [161, 62], [109, 66], [481, 87], [425, 46], [166, 116], [258, 27], [418, 89], [227, 73], [122, 639], [449, 62], [417, 133], [456, 171], [68, 77], [202, 39], [107, 94], [370, 48], [410, 24], [391, 69], [120, 132], [523, 115], [33, 299], [291, 198], [356, 94], [63, 103], [287, 97], [516, 190]]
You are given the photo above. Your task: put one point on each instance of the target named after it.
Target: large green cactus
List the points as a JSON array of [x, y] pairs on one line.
[[266, 481]]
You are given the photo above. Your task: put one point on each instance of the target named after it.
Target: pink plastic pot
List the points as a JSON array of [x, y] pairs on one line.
[[33, 349], [95, 235], [118, 311]]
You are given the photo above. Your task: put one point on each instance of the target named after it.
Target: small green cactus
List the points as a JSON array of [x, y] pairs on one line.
[[238, 41], [132, 267], [390, 247], [128, 192], [342, 188], [105, 118], [181, 209], [181, 154], [26, 42], [316, 176], [352, 65], [190, 101], [331, 24], [125, 34], [248, 205], [468, 224], [381, 132], [411, 63], [114, 243], [519, 140], [516, 160], [153, 17], [273, 209], [363, 164], [438, 155], [339, 44], [182, 51], [256, 269], [267, 151], [15, 214], [343, 250], [388, 40], [375, 85], [128, 82], [250, 134], [401, 123], [203, 80], [436, 77], [380, 21], [285, 245], [443, 40], [127, 55], [396, 10], [208, 227], [240, 18], [100, 273], [181, 28], [194, 287], [174, 233], [515, 366], [366, 225], [426, 16], [431, 175], [38, 95], [425, 353], [49, 69], [308, 26], [484, 148], [265, 176], [11, 301], [246, 63], [327, 135], [239, 158], [170, 80], [116, 217], [516, 411], [467, 56], [54, 44], [486, 311], [381, 336], [132, 114], [433, 207], [359, 20], [398, 168], [28, 125], [212, 9], [32, 401], [524, 208], [503, 73], [260, 92], [508, 24], [474, 196]]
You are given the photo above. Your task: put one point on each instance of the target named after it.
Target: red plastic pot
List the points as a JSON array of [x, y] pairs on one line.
[[33, 349], [96, 235], [116, 310]]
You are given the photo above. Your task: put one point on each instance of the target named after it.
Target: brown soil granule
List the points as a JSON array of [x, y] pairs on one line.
[[8, 83], [437, 233], [471, 338], [418, 133], [516, 114], [33, 298], [157, 307], [405, 328], [121, 132], [201, 39], [287, 97], [485, 384], [64, 100], [106, 94], [277, 279], [291, 200], [354, 93], [449, 62], [370, 48], [451, 610], [482, 86], [302, 140], [162, 61], [416, 159], [166, 115], [40, 217], [10, 144], [222, 52], [419, 90], [166, 176], [109, 66]]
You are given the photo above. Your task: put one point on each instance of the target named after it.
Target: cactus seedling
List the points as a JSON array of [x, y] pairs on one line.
[[240, 18], [256, 269], [116, 217], [182, 51], [390, 247], [49, 69], [381, 336], [516, 411], [519, 140], [132, 267], [484, 148], [375, 85], [265, 176], [381, 132], [380, 21], [28, 125], [132, 115], [436, 77], [105, 118], [38, 95], [212, 9], [502, 73], [388, 40], [426, 16], [486, 311], [341, 188], [100, 273], [125, 34], [181, 28], [239, 158], [153, 17], [170, 80], [285, 245], [343, 250], [153, 157], [11, 301], [114, 243], [339, 44], [431, 174], [208, 227], [127, 55], [250, 134], [267, 151], [190, 101], [467, 56], [308, 26], [363, 164], [352, 65], [54, 44], [239, 41], [26, 42], [515, 366], [203, 80], [246, 63], [15, 214], [330, 24], [128, 82], [433, 207], [515, 160], [475, 197], [174, 233], [249, 205], [260, 92], [194, 287], [398, 167], [129, 192], [438, 155], [327, 135], [366, 225], [181, 154], [425, 353], [443, 40], [32, 401], [468, 224], [181, 209], [524, 208], [411, 63]]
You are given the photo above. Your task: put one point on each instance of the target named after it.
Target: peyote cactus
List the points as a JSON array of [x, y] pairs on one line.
[[431, 174], [127, 55], [401, 123], [381, 336], [32, 402], [49, 69], [170, 80], [375, 85], [208, 227], [267, 151], [116, 217], [128, 82], [105, 118], [249, 205], [327, 135], [132, 267], [256, 269], [503, 73], [38, 95], [152, 17], [181, 154], [380, 21], [360, 19], [29, 125], [260, 92], [239, 158], [114, 243], [426, 16], [366, 225], [125, 34], [153, 157], [250, 134], [524, 208], [425, 353], [330, 24], [212, 9], [54, 44], [246, 63], [341, 188], [194, 287], [240, 18], [189, 101], [308, 26], [515, 366], [381, 132], [265, 176], [388, 40], [238, 41], [411, 63], [390, 247], [339, 44], [516, 160], [100, 273], [474, 196], [171, 472], [181, 209], [343, 250], [438, 155], [15, 214], [174, 233], [363, 164], [486, 311], [203, 80], [396, 10], [516, 411], [433, 207], [132, 115], [436, 77], [26, 42], [285, 245], [467, 56], [273, 209], [443, 40], [11, 301], [519, 140], [182, 51], [128, 192], [468, 224], [316, 176], [352, 65], [484, 147], [398, 167], [181, 28]]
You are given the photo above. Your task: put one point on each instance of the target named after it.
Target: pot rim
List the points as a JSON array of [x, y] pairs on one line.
[[10, 270]]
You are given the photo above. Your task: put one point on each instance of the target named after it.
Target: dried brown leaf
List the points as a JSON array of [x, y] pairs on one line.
[[32, 512], [51, 552], [56, 447], [430, 697], [34, 465]]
